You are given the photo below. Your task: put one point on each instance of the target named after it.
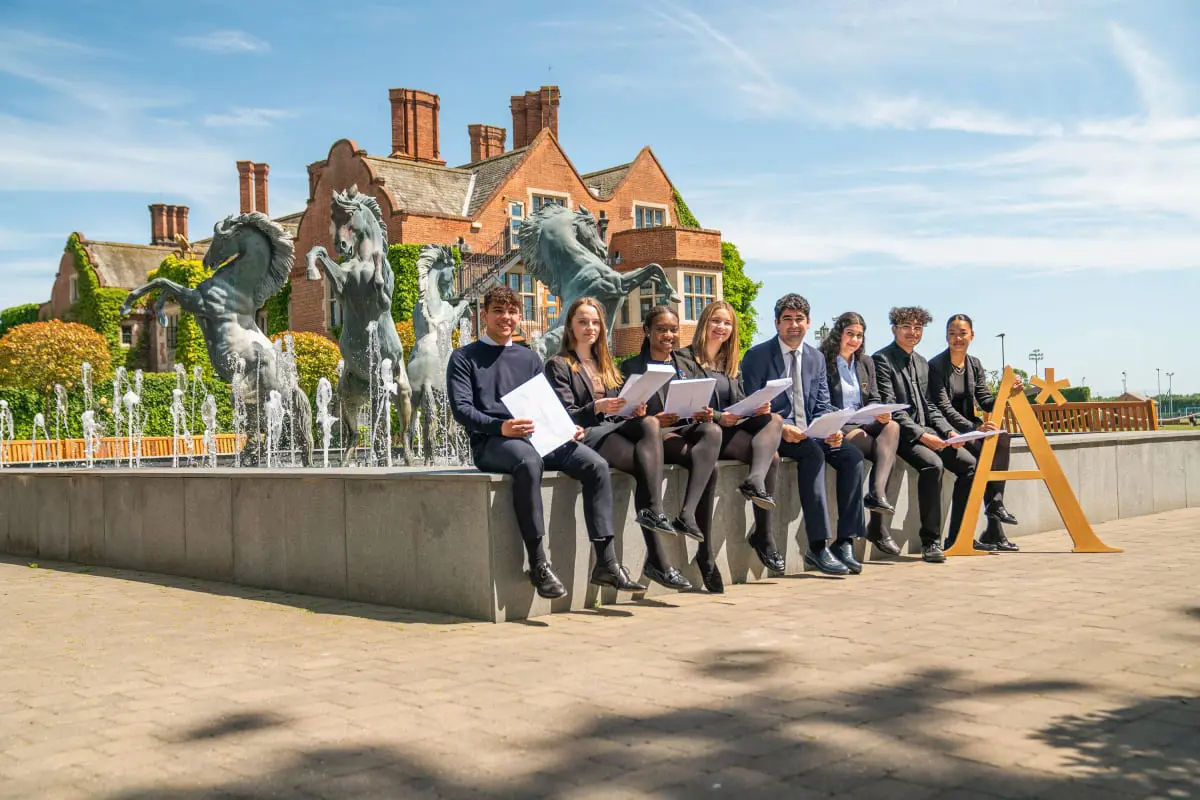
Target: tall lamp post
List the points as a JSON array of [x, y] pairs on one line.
[[1003, 360], [1035, 357], [1170, 396], [1124, 383], [1158, 397]]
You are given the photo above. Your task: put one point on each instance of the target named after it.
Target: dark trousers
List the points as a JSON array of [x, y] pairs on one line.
[[810, 457], [516, 457], [994, 493], [929, 466]]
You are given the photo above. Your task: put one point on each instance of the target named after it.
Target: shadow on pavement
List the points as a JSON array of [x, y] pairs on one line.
[[879, 741]]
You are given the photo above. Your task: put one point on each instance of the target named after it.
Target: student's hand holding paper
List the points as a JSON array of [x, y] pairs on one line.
[[990, 425], [579, 432], [639, 411], [884, 419], [793, 434], [610, 405], [703, 415], [765, 408], [727, 420], [834, 440], [666, 420], [517, 428]]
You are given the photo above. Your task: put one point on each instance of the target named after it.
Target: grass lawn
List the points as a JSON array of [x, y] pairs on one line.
[[1184, 427]]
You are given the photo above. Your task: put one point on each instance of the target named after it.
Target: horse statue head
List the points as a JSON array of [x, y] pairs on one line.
[[435, 270], [253, 254], [357, 226]]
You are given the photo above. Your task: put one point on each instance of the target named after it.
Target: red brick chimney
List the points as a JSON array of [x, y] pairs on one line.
[[245, 186], [158, 224], [415, 126], [534, 111], [486, 141], [260, 188], [166, 222]]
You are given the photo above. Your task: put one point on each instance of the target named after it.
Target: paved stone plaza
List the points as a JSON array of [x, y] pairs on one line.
[[1036, 674]]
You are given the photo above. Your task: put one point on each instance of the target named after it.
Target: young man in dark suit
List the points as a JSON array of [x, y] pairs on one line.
[[478, 375], [903, 377], [787, 356]]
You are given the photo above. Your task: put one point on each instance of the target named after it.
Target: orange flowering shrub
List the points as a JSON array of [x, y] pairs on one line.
[[316, 358], [38, 355]]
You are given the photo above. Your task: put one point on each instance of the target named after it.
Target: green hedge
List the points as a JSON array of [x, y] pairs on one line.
[[403, 258], [278, 308], [17, 315], [189, 340], [156, 397], [1078, 394], [684, 217], [740, 292], [97, 307]]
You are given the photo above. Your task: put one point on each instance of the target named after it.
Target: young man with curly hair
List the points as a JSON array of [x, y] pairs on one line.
[[903, 377]]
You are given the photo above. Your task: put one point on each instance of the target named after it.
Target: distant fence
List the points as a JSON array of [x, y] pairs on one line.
[[1109, 417], [110, 448]]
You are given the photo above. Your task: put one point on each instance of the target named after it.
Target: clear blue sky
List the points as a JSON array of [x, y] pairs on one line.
[[1035, 164]]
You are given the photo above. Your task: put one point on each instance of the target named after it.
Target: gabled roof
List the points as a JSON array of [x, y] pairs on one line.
[[422, 188], [125, 266], [290, 223], [606, 181], [490, 175]]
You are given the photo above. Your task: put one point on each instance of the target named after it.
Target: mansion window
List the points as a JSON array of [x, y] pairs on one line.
[[540, 201], [516, 215], [553, 307], [126, 336], [697, 293], [647, 217], [172, 330], [522, 284], [648, 298], [333, 309], [73, 283]]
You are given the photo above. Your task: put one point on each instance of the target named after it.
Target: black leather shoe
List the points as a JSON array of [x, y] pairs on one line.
[[655, 522], [617, 577], [844, 552], [546, 582], [825, 562], [756, 496], [986, 547], [1001, 543], [713, 581], [998, 512], [669, 577], [932, 553], [771, 558], [884, 543], [687, 529], [874, 502]]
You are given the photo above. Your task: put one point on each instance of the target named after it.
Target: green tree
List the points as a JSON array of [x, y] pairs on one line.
[[17, 315], [97, 307], [190, 349], [740, 292], [684, 217]]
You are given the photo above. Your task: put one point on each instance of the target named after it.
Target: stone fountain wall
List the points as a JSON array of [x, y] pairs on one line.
[[446, 541]]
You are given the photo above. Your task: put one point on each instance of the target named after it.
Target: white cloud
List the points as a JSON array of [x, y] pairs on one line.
[[1159, 90], [247, 117], [226, 42]]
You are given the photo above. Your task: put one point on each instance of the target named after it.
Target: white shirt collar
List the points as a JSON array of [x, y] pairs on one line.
[[787, 351], [483, 337]]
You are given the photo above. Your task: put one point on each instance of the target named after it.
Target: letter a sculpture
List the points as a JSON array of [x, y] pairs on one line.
[[1048, 470]]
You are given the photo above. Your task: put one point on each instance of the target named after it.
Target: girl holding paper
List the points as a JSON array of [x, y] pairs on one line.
[[695, 446], [753, 440], [957, 385], [587, 381], [851, 375]]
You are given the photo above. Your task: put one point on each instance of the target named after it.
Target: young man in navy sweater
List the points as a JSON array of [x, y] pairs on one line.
[[478, 375]]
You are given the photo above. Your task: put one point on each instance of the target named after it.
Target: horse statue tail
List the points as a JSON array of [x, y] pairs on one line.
[[304, 419]]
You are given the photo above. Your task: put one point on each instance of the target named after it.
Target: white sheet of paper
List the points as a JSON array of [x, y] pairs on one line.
[[744, 408], [971, 436], [685, 398], [828, 424], [535, 400], [640, 388], [870, 412]]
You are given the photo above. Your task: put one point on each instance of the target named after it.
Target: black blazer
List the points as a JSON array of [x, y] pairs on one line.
[[868, 386], [895, 386], [960, 414], [575, 391], [685, 358], [636, 365]]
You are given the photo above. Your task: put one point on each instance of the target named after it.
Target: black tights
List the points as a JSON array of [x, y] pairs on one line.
[[636, 448], [755, 442], [696, 449]]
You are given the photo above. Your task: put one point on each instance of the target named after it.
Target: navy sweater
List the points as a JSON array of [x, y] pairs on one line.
[[478, 375]]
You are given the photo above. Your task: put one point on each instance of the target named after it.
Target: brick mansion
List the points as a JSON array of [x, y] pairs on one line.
[[478, 206]]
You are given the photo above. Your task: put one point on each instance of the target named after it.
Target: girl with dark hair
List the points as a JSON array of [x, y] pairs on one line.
[[852, 385], [587, 382], [694, 446], [958, 385], [753, 440]]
